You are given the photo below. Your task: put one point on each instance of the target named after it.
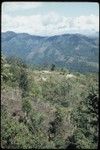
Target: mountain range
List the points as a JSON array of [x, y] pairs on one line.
[[73, 51]]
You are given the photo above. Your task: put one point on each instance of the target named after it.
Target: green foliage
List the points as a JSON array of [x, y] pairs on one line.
[[35, 90], [92, 102], [23, 82], [56, 92], [14, 73], [83, 142], [86, 119], [56, 113], [17, 135], [5, 70], [34, 122], [56, 130], [26, 105], [14, 135], [16, 61]]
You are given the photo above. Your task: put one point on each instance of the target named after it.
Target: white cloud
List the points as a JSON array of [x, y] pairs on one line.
[[49, 24], [87, 22]]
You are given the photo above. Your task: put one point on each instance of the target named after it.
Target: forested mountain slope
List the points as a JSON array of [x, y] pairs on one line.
[[74, 51]]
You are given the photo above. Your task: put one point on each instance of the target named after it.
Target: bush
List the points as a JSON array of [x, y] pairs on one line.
[[26, 105]]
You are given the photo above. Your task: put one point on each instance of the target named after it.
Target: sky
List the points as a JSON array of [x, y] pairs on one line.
[[50, 18]]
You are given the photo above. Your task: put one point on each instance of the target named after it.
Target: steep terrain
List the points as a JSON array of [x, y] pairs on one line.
[[74, 51]]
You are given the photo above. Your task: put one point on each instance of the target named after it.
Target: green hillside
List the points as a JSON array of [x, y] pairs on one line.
[[47, 108]]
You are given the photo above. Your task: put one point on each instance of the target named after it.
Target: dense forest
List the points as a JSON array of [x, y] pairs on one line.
[[49, 108]]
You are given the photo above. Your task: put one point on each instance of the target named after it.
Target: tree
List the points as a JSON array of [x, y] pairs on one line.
[[56, 130], [5, 69], [85, 118], [53, 67], [26, 106], [23, 82]]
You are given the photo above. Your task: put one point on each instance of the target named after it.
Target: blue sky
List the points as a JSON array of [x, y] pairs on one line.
[[63, 8], [44, 17]]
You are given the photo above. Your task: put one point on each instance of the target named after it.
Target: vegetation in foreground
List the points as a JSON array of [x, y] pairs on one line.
[[47, 109]]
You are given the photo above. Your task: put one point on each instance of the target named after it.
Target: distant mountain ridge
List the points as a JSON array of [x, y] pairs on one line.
[[74, 51]]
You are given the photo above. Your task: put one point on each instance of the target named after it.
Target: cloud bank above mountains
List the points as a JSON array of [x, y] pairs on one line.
[[50, 23]]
